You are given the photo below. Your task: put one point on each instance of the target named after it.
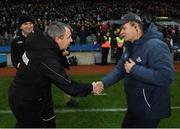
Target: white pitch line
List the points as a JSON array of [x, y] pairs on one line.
[[92, 110], [86, 110], [175, 107]]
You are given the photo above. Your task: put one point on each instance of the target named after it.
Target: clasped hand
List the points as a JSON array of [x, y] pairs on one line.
[[98, 87]]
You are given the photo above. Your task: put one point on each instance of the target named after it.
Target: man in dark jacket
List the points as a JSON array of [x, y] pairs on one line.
[[147, 69], [41, 65]]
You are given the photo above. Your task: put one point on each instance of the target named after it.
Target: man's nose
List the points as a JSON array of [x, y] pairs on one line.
[[71, 39], [122, 34]]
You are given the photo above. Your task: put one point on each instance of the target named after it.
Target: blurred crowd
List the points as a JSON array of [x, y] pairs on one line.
[[85, 17]]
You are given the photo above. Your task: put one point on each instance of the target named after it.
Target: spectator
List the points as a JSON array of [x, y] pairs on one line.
[[18, 45]]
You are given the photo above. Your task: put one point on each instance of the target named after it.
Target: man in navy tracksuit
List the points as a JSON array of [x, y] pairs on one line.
[[147, 69]]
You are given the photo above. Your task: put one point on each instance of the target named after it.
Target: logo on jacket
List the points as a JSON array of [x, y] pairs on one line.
[[19, 42], [25, 58], [138, 59]]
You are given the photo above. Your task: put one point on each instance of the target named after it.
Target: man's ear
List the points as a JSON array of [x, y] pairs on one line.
[[135, 27], [56, 39]]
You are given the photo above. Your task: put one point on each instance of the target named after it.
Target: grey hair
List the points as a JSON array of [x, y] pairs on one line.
[[56, 29]]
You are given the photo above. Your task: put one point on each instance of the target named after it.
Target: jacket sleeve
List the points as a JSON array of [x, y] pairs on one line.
[[118, 72], [55, 72], [115, 75], [15, 57], [160, 69]]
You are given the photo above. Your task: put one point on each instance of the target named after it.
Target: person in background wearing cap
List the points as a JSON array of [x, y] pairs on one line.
[[147, 69], [18, 47]]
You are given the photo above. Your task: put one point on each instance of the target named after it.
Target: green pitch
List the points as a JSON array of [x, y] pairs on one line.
[[103, 111]]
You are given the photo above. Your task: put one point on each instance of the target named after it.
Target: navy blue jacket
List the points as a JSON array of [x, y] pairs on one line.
[[147, 86]]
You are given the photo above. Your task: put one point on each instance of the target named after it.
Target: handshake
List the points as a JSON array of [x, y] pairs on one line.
[[98, 87]]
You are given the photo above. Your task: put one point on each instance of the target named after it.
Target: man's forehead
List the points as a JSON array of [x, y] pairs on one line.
[[67, 30], [124, 25]]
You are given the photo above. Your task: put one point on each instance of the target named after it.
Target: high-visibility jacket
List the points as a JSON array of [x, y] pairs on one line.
[[120, 42], [107, 43]]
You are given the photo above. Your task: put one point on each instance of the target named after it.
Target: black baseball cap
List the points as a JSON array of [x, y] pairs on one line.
[[130, 17]]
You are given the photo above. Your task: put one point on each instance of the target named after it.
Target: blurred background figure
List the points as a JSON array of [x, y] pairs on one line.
[[67, 98], [18, 45], [105, 46], [119, 45]]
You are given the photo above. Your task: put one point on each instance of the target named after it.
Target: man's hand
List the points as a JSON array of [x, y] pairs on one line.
[[128, 65], [98, 87], [65, 53]]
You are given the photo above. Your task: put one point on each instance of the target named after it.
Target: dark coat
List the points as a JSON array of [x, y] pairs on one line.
[[42, 65], [147, 86], [18, 47]]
